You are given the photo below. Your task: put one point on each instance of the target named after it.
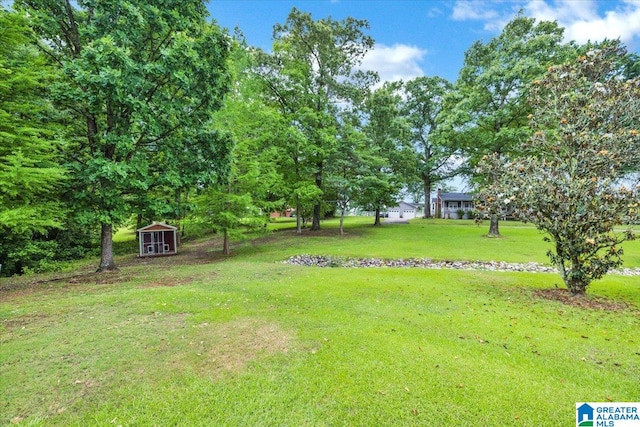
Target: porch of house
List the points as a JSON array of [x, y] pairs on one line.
[[448, 205], [450, 209]]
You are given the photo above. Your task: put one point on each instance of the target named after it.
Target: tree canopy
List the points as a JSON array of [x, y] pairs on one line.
[[144, 80], [434, 152], [115, 112], [487, 112], [388, 155], [31, 175], [311, 74]]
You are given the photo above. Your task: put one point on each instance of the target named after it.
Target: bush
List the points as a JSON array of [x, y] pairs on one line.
[[42, 252]]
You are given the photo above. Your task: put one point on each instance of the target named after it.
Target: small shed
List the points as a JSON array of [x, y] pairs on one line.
[[158, 239]]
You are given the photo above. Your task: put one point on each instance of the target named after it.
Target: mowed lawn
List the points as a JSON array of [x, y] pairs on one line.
[[200, 339]]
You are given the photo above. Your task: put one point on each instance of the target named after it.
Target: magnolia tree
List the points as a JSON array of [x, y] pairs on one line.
[[574, 179]]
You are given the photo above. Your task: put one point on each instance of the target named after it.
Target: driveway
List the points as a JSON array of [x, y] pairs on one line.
[[395, 221]]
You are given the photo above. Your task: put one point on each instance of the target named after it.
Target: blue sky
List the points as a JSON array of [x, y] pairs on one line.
[[429, 37]]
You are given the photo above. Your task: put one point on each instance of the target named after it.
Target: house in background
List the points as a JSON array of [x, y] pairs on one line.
[[448, 205], [158, 239], [404, 210], [286, 213]]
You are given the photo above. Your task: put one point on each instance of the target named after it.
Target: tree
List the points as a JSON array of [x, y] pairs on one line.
[[632, 65], [487, 113], [227, 211], [387, 154], [347, 172], [434, 158], [573, 181], [144, 80], [310, 75], [252, 189], [270, 152], [31, 174]]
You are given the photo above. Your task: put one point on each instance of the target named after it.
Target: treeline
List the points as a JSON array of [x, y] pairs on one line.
[[133, 112], [106, 114]]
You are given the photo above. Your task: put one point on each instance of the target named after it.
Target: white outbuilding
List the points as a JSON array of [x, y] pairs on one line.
[[404, 210]]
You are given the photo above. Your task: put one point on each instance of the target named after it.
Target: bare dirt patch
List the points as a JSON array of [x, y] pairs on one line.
[[25, 286], [590, 302], [164, 282], [202, 252], [21, 322], [105, 278], [229, 347]]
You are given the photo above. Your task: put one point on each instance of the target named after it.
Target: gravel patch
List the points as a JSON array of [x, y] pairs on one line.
[[348, 262]]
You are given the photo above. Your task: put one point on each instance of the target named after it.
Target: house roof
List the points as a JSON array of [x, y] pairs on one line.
[[157, 226], [463, 197], [405, 205]]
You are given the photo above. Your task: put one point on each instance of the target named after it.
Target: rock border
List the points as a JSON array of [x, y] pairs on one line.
[[324, 261]]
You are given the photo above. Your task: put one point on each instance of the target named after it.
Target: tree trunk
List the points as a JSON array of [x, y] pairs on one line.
[[494, 230], [576, 285], [106, 249], [181, 211], [298, 219], [317, 208], [138, 225], [226, 244], [427, 197], [377, 220], [341, 222], [315, 225]]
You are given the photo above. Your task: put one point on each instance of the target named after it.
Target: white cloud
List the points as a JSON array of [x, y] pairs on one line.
[[581, 19], [397, 62], [465, 10], [435, 12], [562, 11]]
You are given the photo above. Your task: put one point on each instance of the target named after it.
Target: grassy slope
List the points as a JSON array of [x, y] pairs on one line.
[[250, 341]]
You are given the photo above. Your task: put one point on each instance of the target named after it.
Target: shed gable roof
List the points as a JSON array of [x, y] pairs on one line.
[[157, 226]]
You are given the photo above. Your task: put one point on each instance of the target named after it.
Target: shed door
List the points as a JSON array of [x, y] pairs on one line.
[[158, 242], [154, 243]]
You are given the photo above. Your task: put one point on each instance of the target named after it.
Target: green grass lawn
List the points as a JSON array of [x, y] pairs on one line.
[[201, 339]]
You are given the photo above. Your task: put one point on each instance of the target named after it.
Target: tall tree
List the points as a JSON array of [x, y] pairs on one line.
[[30, 164], [347, 173], [434, 157], [144, 79], [253, 187], [311, 74], [388, 153], [573, 180], [488, 110]]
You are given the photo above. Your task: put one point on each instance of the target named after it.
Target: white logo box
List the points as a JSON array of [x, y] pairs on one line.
[[608, 414]]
